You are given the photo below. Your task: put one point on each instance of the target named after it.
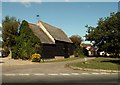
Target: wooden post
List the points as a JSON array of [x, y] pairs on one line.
[[85, 60]]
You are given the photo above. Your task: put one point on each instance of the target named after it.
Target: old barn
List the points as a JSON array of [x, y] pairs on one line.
[[55, 43]]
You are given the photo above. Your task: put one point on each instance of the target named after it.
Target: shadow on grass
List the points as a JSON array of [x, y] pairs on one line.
[[112, 61]]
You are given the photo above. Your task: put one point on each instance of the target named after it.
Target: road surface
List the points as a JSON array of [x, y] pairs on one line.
[[18, 71]]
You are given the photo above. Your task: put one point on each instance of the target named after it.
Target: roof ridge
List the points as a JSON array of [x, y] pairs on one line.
[[40, 24], [57, 30], [40, 34], [51, 25]]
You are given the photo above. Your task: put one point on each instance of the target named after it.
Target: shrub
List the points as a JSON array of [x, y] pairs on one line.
[[36, 57], [78, 52], [15, 53], [6, 52], [26, 42]]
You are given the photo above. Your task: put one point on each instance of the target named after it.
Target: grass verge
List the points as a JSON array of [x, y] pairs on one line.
[[61, 60], [99, 63]]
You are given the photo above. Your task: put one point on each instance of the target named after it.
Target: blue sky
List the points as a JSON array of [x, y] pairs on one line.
[[70, 17]]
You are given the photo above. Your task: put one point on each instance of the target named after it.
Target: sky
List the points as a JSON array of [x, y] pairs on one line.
[[71, 17]]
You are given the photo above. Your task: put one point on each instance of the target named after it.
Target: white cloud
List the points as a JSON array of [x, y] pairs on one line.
[[67, 0], [60, 0], [21, 0], [26, 4]]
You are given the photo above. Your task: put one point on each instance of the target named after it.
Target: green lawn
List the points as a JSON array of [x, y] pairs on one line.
[[62, 60], [99, 63]]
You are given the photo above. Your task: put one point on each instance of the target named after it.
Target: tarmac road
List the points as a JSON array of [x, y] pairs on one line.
[[18, 71]]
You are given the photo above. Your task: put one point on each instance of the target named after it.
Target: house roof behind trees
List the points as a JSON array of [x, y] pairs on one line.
[[86, 45], [55, 32]]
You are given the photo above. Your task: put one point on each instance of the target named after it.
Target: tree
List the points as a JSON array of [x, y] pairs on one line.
[[106, 36], [9, 32], [19, 39], [27, 43], [10, 28], [77, 40], [0, 37]]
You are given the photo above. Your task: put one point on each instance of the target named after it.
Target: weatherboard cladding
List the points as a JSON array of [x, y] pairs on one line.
[[56, 33]]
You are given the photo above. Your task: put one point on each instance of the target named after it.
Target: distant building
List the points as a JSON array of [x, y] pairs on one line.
[[94, 51], [87, 46], [90, 49]]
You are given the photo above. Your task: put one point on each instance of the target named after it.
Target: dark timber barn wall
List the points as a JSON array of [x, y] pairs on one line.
[[48, 51], [60, 49]]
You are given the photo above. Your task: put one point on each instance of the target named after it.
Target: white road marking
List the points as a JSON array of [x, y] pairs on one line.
[[95, 73], [74, 73], [39, 74], [64, 74], [52, 74], [9, 74], [24, 74], [85, 73], [114, 73], [103, 73]]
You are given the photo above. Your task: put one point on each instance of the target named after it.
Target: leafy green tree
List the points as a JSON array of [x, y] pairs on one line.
[[27, 43], [106, 36], [0, 37], [77, 40], [9, 32], [19, 40]]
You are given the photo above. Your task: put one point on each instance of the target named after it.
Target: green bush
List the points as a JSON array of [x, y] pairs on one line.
[[78, 52], [26, 43], [15, 53], [6, 52]]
